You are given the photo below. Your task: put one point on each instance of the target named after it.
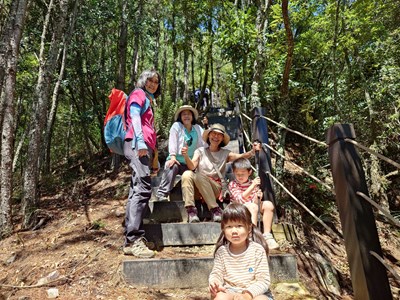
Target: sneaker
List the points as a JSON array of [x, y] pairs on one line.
[[162, 198], [272, 244], [192, 214], [139, 249], [216, 213]]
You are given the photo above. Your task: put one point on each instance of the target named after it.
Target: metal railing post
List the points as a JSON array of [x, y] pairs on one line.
[[368, 275]]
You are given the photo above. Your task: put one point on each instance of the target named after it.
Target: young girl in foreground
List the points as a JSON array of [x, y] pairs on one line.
[[240, 269]]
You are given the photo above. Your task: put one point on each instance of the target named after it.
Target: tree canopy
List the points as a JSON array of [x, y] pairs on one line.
[[65, 56]]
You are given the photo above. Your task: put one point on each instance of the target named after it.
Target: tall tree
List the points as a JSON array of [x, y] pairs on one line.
[[47, 64], [56, 91], [285, 98], [9, 53]]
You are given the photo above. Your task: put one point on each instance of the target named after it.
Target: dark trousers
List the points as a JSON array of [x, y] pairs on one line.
[[168, 179], [139, 193]]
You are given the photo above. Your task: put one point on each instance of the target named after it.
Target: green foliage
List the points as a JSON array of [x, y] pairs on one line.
[[329, 81], [97, 225], [236, 33], [164, 116]]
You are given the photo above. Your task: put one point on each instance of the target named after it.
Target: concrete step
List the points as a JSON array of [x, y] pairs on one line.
[[173, 211], [187, 272], [182, 234]]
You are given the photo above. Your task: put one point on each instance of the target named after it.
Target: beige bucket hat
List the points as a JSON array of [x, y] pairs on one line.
[[218, 128], [186, 107]]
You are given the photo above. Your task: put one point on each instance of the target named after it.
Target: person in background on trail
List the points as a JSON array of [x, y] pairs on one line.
[[139, 149], [184, 132], [204, 121], [202, 179], [241, 270], [246, 191]]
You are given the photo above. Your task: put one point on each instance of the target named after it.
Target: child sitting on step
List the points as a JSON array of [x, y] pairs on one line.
[[246, 191], [240, 270]]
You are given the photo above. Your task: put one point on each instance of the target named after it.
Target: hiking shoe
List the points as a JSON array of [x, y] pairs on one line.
[[272, 244], [216, 213], [192, 214], [139, 249]]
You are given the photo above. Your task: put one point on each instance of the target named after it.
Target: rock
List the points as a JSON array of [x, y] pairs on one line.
[[43, 281], [52, 293], [11, 259], [327, 275], [53, 275]]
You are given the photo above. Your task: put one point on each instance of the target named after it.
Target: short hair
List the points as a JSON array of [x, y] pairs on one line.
[[141, 82], [241, 163]]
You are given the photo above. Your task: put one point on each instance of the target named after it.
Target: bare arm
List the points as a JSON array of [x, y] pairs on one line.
[[233, 156]]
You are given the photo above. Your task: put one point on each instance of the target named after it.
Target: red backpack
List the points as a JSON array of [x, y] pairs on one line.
[[114, 122]]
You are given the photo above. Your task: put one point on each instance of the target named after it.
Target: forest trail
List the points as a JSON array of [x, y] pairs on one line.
[[79, 245]]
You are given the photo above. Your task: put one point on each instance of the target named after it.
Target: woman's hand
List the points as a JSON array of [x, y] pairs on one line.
[[184, 150], [171, 162]]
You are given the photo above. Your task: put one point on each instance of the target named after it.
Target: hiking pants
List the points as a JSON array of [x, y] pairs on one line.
[[168, 179], [139, 193], [208, 189]]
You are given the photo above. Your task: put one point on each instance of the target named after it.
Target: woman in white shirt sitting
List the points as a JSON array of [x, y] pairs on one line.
[[183, 133]]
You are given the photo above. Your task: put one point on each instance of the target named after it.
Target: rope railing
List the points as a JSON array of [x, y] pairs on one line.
[[382, 261], [302, 169], [380, 208], [334, 234], [379, 273], [388, 160], [297, 132]]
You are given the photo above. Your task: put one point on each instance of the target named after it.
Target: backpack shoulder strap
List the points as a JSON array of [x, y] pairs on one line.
[[212, 160]]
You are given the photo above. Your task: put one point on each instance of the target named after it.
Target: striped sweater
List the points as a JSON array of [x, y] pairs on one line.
[[237, 190], [246, 271]]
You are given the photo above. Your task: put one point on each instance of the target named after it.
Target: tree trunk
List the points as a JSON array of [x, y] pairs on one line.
[[192, 71], [122, 47], [8, 70], [259, 62], [186, 75], [285, 104], [174, 56], [334, 60], [136, 44], [54, 102], [46, 69], [121, 73], [208, 64]]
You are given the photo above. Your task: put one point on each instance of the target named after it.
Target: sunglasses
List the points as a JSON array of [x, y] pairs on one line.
[[189, 140]]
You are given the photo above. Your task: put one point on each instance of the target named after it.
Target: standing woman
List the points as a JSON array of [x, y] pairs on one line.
[[139, 149], [184, 132]]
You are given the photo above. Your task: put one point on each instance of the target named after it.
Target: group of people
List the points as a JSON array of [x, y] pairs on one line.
[[199, 157]]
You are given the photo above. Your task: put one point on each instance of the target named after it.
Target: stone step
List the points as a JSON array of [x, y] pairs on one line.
[[203, 233], [173, 211], [182, 234], [187, 272]]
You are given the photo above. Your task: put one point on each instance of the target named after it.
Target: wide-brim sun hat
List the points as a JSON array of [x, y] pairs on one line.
[[218, 128], [186, 107]]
